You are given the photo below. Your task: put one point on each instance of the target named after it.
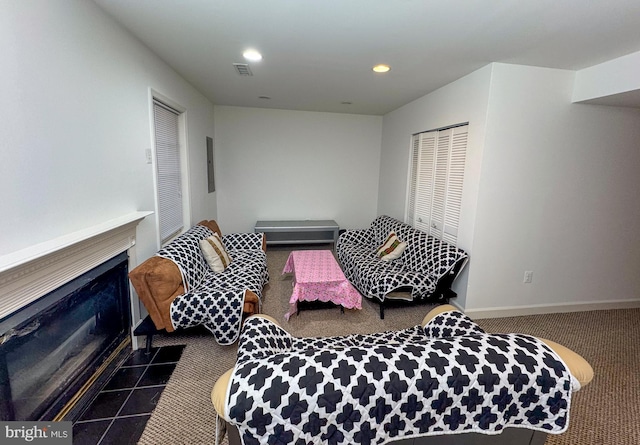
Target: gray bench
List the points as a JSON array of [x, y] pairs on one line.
[[299, 232]]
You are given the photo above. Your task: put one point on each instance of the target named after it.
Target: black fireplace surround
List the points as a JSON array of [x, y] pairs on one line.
[[51, 348]]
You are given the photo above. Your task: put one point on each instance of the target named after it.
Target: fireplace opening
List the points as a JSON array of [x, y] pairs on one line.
[[51, 348]]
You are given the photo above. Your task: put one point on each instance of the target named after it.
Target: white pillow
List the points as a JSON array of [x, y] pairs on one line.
[[392, 248], [214, 253]]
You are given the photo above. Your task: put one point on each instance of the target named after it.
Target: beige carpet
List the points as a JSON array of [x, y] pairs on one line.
[[605, 412]]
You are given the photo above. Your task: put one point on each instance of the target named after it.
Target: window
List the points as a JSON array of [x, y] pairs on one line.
[[169, 181], [436, 175]]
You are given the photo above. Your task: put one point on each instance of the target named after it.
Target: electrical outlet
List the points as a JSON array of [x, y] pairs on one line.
[[147, 155], [528, 276]]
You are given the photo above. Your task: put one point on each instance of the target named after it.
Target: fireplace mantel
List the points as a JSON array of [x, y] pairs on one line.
[[31, 273]]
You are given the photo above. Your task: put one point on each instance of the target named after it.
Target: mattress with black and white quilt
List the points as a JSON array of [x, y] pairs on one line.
[[425, 261], [215, 300], [449, 377]]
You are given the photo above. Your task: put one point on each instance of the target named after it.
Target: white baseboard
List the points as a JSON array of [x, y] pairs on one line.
[[515, 311]]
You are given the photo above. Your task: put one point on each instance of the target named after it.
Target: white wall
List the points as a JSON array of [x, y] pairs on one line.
[[558, 196], [608, 79], [551, 187], [279, 164], [75, 123], [464, 100]]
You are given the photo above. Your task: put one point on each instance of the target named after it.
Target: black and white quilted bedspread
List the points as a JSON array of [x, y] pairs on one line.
[[447, 378], [424, 262], [216, 300]]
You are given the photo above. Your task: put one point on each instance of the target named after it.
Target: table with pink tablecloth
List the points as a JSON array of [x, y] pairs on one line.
[[318, 277]]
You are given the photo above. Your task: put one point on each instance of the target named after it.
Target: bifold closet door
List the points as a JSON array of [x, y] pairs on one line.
[[436, 177]]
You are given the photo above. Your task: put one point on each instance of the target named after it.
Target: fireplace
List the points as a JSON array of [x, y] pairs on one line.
[[52, 347], [65, 319]]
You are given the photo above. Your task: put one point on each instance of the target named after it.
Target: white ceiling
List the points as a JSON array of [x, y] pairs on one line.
[[319, 53]]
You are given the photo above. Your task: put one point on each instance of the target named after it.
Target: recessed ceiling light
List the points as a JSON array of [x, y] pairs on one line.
[[252, 54], [381, 68]]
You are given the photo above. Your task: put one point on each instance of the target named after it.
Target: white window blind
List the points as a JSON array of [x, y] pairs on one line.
[[436, 175], [169, 182]]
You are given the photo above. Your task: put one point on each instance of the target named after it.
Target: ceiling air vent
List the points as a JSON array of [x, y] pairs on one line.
[[243, 69]]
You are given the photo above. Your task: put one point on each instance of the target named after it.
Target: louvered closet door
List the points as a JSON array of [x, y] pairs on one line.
[[457, 158], [413, 179], [436, 176], [424, 183], [440, 183]]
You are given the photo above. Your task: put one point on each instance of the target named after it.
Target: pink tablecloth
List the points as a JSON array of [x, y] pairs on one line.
[[317, 276]]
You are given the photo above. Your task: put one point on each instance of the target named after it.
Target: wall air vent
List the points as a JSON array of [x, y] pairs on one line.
[[243, 69]]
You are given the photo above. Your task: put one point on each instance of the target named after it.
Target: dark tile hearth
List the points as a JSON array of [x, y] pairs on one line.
[[120, 411]]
